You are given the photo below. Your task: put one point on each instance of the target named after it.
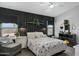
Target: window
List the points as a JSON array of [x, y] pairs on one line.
[[9, 25]]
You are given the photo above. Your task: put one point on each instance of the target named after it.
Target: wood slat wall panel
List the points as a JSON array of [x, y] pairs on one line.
[[22, 19]]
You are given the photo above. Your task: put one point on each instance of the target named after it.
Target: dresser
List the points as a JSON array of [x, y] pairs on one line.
[[70, 37]]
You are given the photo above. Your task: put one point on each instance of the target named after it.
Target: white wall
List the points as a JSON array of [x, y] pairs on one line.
[[73, 17]]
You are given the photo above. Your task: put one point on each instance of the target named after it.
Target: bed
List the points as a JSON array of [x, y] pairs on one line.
[[42, 45]]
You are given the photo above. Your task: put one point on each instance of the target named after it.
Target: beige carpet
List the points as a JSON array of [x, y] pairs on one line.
[[25, 52]]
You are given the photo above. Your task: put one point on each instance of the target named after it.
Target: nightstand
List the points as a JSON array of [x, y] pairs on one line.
[[22, 40]]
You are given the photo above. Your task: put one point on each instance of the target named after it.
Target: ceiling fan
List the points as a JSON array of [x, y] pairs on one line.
[[49, 4]]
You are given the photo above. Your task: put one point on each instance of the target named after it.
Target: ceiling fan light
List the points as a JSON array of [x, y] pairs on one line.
[[51, 6]]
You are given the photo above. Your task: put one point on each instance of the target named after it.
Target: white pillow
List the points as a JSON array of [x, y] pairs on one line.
[[33, 35]]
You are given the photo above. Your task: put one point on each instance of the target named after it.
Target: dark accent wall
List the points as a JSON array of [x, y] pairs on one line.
[[25, 19]]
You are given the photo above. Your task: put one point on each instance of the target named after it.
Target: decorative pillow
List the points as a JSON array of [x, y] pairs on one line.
[[8, 34], [38, 34]]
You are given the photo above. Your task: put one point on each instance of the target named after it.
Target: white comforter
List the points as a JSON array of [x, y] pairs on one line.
[[45, 46]]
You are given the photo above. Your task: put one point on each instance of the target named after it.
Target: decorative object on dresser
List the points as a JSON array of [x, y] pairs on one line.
[[61, 29], [67, 27]]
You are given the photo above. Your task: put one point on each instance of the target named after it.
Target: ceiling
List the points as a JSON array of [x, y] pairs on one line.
[[41, 8]]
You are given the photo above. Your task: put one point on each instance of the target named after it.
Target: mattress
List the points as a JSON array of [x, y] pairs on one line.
[[45, 46]]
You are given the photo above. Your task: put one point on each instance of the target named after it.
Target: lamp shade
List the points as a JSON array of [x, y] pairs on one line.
[[23, 31]]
